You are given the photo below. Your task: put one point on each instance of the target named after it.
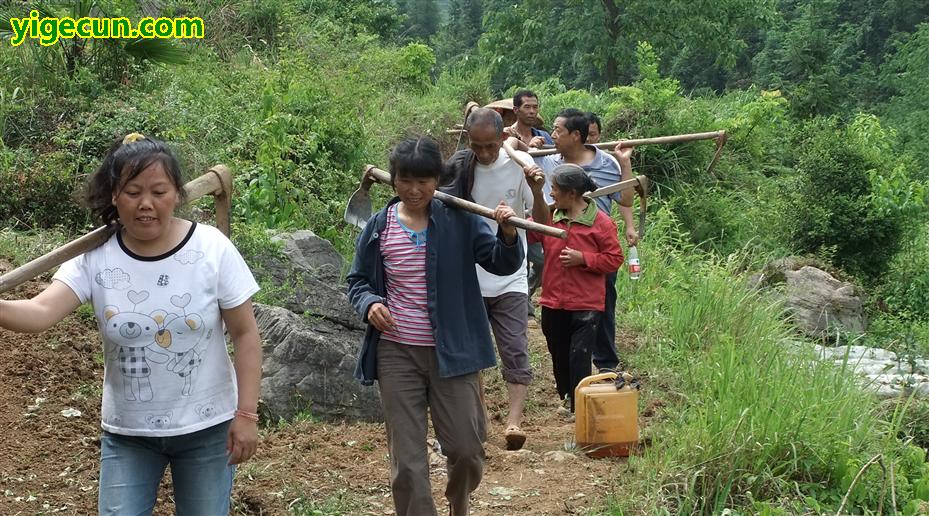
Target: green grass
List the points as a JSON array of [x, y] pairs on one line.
[[752, 420], [93, 391], [20, 247], [335, 505]]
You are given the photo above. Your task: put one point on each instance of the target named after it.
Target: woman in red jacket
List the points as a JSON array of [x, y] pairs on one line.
[[574, 275]]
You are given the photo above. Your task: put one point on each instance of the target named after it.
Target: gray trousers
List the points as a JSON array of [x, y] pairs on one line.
[[410, 386], [508, 321]]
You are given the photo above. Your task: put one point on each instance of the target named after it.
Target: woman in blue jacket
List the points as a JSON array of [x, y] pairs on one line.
[[413, 281]]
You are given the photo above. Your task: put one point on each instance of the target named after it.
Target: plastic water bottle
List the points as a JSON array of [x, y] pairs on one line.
[[635, 268]]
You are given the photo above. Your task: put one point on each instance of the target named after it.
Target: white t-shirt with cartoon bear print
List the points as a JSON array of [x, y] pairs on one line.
[[167, 371]]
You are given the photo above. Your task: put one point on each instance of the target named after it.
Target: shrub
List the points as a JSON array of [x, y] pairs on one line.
[[833, 212], [905, 286], [41, 191]]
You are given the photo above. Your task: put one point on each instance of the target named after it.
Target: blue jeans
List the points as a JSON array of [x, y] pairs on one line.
[[131, 468]]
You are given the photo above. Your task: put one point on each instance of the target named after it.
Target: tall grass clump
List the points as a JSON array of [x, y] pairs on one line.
[[752, 416]]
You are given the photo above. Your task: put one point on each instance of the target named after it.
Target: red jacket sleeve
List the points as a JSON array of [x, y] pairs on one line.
[[609, 255]]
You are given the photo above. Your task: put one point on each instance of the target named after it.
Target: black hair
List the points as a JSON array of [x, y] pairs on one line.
[[592, 118], [520, 95], [123, 162], [485, 116], [571, 177], [416, 157], [575, 120]]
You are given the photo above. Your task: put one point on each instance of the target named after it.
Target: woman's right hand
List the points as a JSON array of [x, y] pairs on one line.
[[379, 316]]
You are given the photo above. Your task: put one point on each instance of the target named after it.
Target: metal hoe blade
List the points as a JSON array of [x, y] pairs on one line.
[[358, 209]]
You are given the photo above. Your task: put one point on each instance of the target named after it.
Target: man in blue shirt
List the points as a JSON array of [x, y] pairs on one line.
[[593, 130], [570, 130]]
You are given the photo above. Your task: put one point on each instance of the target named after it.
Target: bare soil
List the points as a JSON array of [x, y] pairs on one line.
[[49, 462]]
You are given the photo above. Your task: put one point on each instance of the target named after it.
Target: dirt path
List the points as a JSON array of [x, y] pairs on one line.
[[48, 462]]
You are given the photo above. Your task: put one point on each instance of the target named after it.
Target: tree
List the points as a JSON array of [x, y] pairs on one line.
[[422, 18], [460, 34], [825, 54], [906, 74], [593, 41], [111, 59]]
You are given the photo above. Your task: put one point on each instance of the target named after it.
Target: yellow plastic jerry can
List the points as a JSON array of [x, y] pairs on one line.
[[606, 415]]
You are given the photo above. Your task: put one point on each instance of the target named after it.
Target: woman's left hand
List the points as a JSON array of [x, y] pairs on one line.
[[242, 441], [571, 257], [502, 214]]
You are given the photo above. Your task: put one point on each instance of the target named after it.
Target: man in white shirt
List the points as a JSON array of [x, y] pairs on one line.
[[485, 174]]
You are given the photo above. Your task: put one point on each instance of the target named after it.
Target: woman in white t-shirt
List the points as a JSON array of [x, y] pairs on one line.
[[163, 290]]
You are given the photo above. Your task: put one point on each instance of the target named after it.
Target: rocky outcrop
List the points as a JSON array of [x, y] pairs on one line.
[[308, 279], [311, 341], [817, 302], [308, 365]]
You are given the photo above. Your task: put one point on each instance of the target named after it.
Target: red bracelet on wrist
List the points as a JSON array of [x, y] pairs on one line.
[[251, 416]]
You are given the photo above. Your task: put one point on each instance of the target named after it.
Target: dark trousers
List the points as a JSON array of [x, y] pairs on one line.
[[570, 336], [536, 261], [604, 351]]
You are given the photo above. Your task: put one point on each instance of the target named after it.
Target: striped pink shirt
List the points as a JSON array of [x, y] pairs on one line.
[[404, 253]]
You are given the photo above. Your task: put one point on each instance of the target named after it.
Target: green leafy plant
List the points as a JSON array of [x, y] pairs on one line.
[[834, 206]]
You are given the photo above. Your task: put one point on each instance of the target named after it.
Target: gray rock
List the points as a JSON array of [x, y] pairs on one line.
[[559, 456], [307, 280], [311, 338], [309, 252], [309, 364], [817, 302], [857, 353]]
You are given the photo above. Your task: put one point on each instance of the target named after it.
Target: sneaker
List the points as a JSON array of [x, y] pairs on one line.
[[532, 323]]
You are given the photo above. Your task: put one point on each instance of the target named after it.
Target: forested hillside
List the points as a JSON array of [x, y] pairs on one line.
[[824, 102]]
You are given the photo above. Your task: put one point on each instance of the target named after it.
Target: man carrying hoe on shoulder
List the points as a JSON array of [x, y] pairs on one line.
[[526, 107], [485, 174]]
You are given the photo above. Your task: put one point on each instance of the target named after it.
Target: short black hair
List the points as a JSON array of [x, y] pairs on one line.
[[485, 116], [575, 120], [571, 177], [416, 157], [592, 118], [123, 162], [522, 94]]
